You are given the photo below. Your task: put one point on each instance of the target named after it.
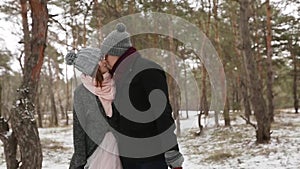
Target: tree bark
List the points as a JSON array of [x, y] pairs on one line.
[[0, 100], [54, 118], [263, 122], [257, 38], [219, 50], [62, 111], [26, 32], [242, 74], [99, 21], [246, 103], [295, 72], [23, 122], [10, 145], [173, 90], [295, 86], [88, 7], [203, 100], [57, 86], [186, 92], [38, 108], [226, 113], [68, 97], [269, 61]]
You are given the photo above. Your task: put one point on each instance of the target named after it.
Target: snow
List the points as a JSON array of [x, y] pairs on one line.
[[216, 147], [18, 102]]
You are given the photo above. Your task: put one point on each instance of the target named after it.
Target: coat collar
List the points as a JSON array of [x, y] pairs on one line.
[[125, 56]]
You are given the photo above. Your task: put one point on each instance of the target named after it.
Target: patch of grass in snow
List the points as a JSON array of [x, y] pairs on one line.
[[266, 152], [219, 156], [284, 125], [53, 145], [277, 125], [233, 136]]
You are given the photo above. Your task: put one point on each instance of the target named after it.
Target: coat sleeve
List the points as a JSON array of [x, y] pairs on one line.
[[156, 79], [79, 140]]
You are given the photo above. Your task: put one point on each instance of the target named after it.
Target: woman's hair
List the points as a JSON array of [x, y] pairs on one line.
[[99, 78]]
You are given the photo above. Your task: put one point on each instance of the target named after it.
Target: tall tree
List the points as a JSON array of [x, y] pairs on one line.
[[263, 134], [98, 22], [54, 117], [203, 99], [241, 80], [269, 60], [295, 77], [174, 94], [185, 90], [219, 50], [23, 123]]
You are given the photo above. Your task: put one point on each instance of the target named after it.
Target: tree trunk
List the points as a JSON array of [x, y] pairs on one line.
[[296, 99], [38, 108], [26, 32], [99, 21], [0, 100], [246, 102], [257, 38], [10, 145], [219, 50], [172, 83], [62, 111], [263, 122], [216, 112], [54, 118], [88, 7], [226, 113], [204, 103], [22, 120], [203, 100], [68, 97], [67, 88], [295, 72], [269, 60], [236, 101], [242, 74], [186, 92]]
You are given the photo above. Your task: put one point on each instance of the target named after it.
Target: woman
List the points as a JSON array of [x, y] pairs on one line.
[[95, 146]]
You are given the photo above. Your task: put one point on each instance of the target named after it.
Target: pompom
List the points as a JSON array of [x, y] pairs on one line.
[[120, 27], [70, 58]]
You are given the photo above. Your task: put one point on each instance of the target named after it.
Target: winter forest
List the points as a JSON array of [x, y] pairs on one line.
[[255, 123]]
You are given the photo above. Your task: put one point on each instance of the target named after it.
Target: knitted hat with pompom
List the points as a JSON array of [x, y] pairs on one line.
[[117, 42], [86, 60]]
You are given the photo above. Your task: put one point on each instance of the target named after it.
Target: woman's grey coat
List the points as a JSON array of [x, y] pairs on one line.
[[89, 126]]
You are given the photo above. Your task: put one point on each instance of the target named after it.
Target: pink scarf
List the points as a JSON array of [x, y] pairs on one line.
[[106, 93]]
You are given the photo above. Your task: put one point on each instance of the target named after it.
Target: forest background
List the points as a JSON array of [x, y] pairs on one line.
[[256, 40]]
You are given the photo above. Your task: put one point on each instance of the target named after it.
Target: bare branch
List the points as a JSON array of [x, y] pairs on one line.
[[20, 61], [248, 122]]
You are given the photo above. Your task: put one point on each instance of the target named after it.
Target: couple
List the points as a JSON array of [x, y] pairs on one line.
[[113, 106]]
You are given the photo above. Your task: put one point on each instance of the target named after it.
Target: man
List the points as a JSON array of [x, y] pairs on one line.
[[145, 113]]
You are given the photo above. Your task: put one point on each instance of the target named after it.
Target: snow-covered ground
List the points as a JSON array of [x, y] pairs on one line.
[[219, 147], [235, 147]]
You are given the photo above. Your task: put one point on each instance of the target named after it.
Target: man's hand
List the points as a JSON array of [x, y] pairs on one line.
[[174, 159]]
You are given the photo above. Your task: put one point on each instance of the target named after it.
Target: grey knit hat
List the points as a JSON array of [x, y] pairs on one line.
[[117, 42], [86, 60]]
